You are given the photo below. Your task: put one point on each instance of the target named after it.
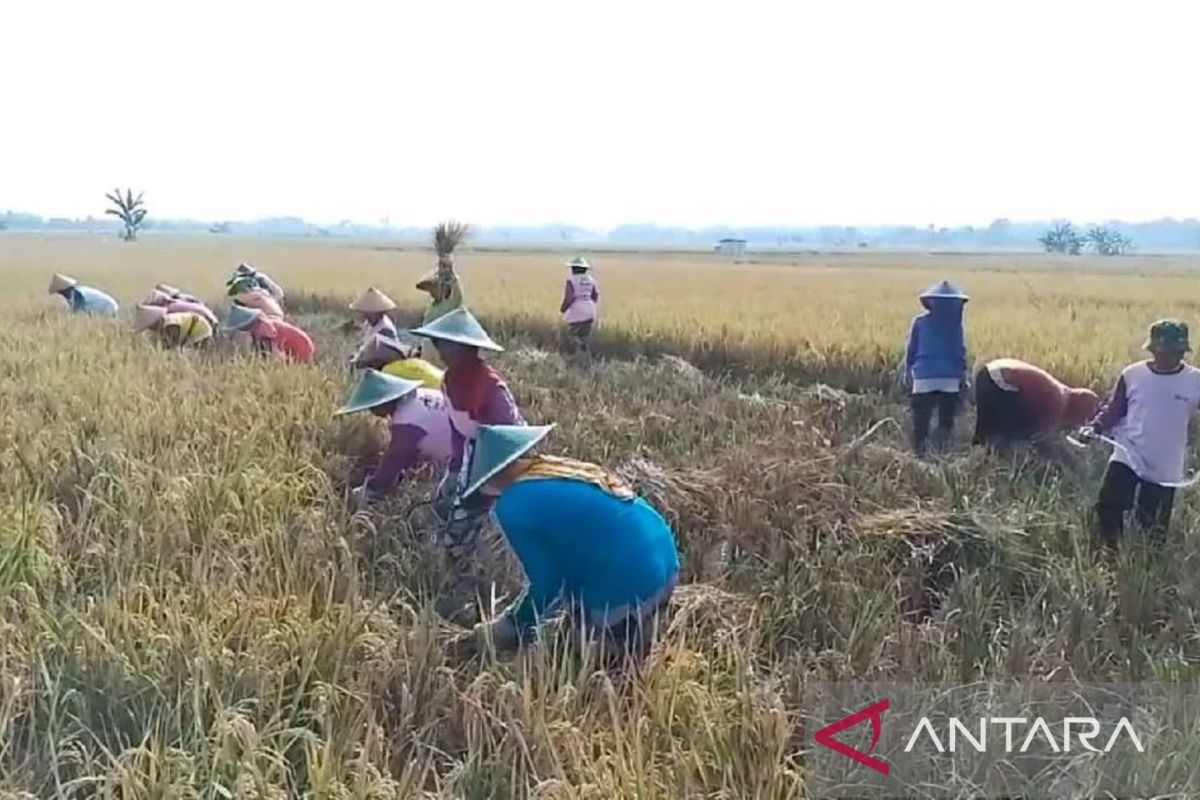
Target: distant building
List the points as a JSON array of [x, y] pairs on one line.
[[730, 247]]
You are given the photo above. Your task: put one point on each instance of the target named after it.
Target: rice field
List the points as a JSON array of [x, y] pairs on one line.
[[187, 608]]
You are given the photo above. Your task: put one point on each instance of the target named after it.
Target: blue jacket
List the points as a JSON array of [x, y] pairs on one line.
[[581, 546], [937, 343], [87, 300]]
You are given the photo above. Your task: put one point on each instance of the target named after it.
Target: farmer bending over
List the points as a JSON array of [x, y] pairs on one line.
[[476, 395], [589, 546], [258, 280], [936, 363], [374, 306], [393, 357], [83, 299], [271, 336], [247, 293], [177, 305], [1148, 416], [419, 424], [1016, 402], [174, 329]]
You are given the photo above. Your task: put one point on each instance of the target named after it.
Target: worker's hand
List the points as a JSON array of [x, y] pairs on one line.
[[499, 633], [360, 499], [443, 496], [1086, 434]]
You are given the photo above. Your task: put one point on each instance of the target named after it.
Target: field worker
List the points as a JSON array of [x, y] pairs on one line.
[[419, 423], [477, 395], [177, 294], [174, 329], [271, 335], [393, 357], [579, 304], [1148, 416], [258, 279], [442, 284], [83, 299], [1016, 401], [245, 292], [936, 363], [374, 306], [158, 297], [589, 546]]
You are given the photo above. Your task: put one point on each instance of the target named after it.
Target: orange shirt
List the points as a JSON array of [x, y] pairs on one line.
[[1040, 392], [285, 338]]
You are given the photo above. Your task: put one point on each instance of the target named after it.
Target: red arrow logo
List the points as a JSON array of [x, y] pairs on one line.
[[871, 712]]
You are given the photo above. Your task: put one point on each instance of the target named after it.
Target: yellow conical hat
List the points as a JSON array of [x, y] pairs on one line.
[[373, 301], [60, 282], [147, 316]]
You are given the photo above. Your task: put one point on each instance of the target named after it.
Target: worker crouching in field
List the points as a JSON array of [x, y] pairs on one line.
[[257, 280], [589, 546], [1147, 416], [936, 364], [418, 422], [579, 308], [374, 306], [177, 305], [1018, 402], [477, 395], [174, 329], [271, 336], [83, 299], [246, 293], [390, 356], [175, 293]]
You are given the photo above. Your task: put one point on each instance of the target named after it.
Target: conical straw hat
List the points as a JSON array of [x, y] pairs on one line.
[[461, 327], [147, 316], [241, 317], [157, 297], [375, 388], [170, 290], [497, 446], [60, 282], [579, 262], [373, 301]]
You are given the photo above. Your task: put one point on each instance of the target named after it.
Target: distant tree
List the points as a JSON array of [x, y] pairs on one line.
[[1062, 238], [129, 209], [219, 227], [1108, 242], [3, 224]]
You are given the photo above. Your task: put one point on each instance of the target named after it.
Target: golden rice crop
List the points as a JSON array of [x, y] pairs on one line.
[[187, 608]]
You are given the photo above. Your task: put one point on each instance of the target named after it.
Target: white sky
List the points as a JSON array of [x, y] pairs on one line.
[[522, 111]]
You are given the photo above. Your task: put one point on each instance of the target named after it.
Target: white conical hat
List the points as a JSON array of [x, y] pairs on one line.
[[157, 297], [579, 262], [60, 282], [168, 289], [373, 301], [147, 316]]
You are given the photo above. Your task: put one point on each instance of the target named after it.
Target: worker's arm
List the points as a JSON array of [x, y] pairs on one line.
[[1114, 410], [568, 297], [526, 534], [403, 451], [910, 354]]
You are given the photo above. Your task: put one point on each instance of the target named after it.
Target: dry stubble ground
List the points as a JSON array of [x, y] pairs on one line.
[[186, 609]]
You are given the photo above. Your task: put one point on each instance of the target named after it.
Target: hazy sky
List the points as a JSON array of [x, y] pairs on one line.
[[513, 111]]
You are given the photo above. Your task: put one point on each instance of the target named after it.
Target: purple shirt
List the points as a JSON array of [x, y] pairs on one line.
[[403, 451]]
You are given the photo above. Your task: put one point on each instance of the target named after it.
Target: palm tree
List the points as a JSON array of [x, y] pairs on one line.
[[129, 209]]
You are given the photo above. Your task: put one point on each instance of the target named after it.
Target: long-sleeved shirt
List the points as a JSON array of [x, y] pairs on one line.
[[283, 338], [420, 431], [937, 344], [477, 395], [583, 547], [192, 328], [383, 327], [86, 300], [1148, 415], [186, 306], [1051, 402]]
